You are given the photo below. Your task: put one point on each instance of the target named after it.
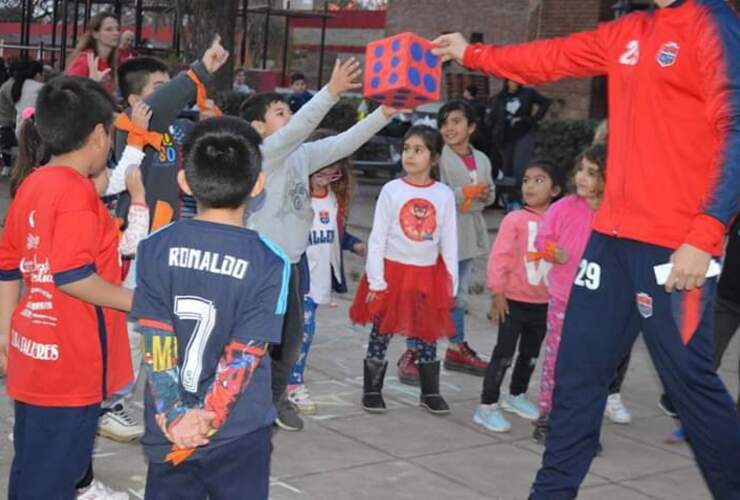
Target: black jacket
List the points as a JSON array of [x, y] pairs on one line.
[[509, 127], [729, 281]]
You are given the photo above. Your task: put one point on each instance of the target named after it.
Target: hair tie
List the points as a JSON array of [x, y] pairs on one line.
[[28, 112]]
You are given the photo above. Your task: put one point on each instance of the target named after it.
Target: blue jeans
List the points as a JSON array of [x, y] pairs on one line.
[[309, 329], [465, 276]]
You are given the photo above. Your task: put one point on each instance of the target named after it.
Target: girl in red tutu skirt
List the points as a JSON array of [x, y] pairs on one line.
[[411, 272]]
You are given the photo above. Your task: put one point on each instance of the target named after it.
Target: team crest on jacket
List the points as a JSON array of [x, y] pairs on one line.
[[645, 305], [668, 54], [324, 216]]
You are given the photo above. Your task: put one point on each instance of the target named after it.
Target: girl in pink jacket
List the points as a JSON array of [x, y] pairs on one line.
[[562, 238], [518, 279]]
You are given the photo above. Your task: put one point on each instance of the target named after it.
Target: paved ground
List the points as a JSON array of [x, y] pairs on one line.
[[345, 453]]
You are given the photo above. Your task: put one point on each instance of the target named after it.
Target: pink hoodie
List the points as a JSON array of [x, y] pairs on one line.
[[567, 223], [511, 270]]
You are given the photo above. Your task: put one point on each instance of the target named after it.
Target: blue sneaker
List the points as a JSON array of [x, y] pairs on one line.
[[676, 436], [490, 417], [521, 406]]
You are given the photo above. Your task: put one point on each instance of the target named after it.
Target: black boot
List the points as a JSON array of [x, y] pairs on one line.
[[431, 399], [540, 429], [374, 373]]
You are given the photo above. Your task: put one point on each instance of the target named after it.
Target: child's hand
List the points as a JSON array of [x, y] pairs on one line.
[[360, 249], [190, 431], [389, 111], [215, 56], [344, 77], [375, 301], [134, 185], [485, 192], [92, 68], [499, 308], [141, 114], [561, 256]]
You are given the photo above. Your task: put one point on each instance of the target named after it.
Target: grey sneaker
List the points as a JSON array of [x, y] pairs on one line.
[[287, 415]]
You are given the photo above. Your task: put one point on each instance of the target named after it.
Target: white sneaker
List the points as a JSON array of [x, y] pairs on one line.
[[117, 424], [5, 172], [299, 396], [98, 491], [615, 410]]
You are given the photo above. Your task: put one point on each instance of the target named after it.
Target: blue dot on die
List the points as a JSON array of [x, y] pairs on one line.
[[396, 45], [429, 83], [377, 67], [375, 82], [379, 51], [414, 77], [416, 51], [395, 61], [431, 60], [393, 78]]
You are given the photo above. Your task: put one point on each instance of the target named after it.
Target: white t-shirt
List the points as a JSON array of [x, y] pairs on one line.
[[412, 225], [323, 250]]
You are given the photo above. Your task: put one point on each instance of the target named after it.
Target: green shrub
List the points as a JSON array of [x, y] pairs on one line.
[[564, 140]]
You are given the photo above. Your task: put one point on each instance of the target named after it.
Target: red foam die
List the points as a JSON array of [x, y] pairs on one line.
[[402, 72]]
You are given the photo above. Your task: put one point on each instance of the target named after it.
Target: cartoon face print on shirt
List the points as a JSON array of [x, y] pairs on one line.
[[418, 219]]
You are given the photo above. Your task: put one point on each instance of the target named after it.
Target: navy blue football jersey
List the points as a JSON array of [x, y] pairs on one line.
[[213, 283]]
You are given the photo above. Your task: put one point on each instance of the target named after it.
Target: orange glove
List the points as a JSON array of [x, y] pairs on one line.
[[472, 192], [548, 254]]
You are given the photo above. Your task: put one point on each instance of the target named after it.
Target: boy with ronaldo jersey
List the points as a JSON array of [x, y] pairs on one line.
[[210, 299], [66, 343]]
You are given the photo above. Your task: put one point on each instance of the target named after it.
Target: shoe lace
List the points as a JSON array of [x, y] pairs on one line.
[[120, 412]]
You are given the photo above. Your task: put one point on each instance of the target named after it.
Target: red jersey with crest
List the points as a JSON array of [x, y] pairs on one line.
[[673, 173], [62, 351]]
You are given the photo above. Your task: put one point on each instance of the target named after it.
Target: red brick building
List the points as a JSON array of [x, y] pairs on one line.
[[512, 21]]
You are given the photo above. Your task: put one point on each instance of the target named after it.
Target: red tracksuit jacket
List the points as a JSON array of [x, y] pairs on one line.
[[673, 172]]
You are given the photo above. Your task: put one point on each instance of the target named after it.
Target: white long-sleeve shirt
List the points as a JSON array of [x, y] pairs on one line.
[[412, 225]]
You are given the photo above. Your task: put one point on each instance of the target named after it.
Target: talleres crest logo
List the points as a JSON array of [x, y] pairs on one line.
[[668, 54]]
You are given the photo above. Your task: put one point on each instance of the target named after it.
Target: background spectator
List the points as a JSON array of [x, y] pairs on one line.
[[95, 56]]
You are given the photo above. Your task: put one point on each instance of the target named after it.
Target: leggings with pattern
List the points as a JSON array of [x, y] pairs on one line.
[[378, 345]]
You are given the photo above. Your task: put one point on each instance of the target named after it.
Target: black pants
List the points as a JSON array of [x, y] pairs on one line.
[[726, 323], [616, 385], [285, 355], [525, 325]]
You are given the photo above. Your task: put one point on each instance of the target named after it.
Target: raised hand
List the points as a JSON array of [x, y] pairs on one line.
[[92, 67], [344, 76], [141, 114], [451, 46], [134, 185], [215, 56]]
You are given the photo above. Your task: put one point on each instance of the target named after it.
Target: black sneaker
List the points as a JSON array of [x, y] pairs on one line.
[[539, 435], [287, 416], [666, 406]]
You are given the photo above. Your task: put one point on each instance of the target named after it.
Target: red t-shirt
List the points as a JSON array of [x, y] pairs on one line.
[[79, 67], [62, 351]]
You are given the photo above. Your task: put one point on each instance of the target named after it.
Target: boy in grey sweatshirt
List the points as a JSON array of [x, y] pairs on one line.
[[286, 215]]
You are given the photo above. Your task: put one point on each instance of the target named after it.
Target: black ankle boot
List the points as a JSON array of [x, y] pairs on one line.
[[431, 399], [372, 397], [540, 430]]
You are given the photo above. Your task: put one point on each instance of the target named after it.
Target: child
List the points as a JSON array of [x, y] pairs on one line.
[[411, 271], [468, 172], [147, 78], [286, 214], [518, 279], [209, 300], [563, 236], [67, 340], [300, 95], [330, 198]]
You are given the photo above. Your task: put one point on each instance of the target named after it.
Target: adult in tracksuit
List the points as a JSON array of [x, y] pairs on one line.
[[673, 186]]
